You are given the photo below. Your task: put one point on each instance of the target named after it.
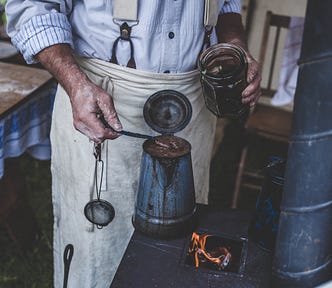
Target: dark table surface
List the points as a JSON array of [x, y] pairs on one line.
[[157, 263]]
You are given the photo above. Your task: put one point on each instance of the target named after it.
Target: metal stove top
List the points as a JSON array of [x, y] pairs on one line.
[[152, 263]]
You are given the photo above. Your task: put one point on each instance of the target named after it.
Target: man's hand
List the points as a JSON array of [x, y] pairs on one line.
[[253, 91], [87, 99], [230, 30]]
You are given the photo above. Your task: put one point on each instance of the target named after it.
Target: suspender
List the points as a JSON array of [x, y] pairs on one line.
[[211, 13], [126, 11]]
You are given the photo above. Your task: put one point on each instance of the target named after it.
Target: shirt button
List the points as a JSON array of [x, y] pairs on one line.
[[167, 71], [170, 35]]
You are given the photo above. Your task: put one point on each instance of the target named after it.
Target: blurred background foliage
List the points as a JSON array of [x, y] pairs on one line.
[[34, 268]]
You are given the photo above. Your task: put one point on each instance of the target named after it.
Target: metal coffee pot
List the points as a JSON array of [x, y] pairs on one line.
[[165, 204]]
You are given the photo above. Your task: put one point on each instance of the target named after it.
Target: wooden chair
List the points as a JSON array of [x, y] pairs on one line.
[[266, 121]]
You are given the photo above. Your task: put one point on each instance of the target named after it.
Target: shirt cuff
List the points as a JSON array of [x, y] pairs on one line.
[[231, 6], [40, 32]]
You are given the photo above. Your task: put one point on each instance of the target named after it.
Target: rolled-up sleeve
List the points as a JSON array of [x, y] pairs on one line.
[[35, 25], [231, 6]]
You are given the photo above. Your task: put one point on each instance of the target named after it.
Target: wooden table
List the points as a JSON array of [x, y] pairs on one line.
[[17, 84]]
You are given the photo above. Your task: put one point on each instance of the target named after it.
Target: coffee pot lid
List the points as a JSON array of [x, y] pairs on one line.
[[167, 111]]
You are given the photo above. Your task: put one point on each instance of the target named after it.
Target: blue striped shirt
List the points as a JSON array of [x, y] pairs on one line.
[[168, 37]]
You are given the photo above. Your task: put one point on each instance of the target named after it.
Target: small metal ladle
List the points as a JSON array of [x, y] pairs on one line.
[[99, 211]]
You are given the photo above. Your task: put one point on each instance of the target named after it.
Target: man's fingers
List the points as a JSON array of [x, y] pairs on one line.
[[96, 130], [112, 119], [106, 106], [254, 98], [251, 89], [252, 92]]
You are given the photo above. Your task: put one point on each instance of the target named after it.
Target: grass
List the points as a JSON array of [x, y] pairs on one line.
[[35, 268]]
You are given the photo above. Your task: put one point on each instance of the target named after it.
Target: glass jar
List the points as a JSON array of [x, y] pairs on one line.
[[223, 69]]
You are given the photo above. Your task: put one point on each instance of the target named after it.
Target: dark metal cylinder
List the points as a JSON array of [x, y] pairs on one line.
[[303, 254]]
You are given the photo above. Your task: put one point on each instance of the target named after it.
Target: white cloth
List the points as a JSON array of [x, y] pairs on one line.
[[289, 67], [98, 252], [27, 128]]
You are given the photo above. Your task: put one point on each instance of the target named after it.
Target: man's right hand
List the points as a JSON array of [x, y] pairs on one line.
[[87, 99]]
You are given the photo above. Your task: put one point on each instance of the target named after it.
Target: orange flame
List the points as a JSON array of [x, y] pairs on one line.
[[219, 255]]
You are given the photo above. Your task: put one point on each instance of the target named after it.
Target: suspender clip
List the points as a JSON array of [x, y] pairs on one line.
[[125, 31]]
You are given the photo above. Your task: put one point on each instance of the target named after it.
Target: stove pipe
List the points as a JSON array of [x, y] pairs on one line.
[[303, 255]]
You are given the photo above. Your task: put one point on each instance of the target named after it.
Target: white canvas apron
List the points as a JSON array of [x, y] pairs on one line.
[[98, 252]]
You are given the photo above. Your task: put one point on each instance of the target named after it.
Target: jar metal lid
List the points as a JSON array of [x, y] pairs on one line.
[[222, 61]]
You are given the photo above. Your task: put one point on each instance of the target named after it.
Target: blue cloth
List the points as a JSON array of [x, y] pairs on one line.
[[27, 128], [90, 30]]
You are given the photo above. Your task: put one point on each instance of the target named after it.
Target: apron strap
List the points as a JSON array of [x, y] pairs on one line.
[[124, 11]]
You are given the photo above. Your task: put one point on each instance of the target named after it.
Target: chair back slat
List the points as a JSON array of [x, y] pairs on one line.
[[278, 22], [274, 55]]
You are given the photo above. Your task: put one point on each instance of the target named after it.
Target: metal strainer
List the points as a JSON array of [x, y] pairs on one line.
[[99, 211]]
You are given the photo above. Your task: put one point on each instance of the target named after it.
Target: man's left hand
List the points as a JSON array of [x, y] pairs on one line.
[[253, 91]]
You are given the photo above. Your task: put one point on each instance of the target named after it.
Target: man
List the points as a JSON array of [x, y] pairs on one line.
[[75, 41]]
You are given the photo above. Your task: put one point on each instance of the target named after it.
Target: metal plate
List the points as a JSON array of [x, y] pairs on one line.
[[167, 111]]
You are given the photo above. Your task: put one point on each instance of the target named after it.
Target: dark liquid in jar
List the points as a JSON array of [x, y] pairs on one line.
[[223, 68], [229, 99]]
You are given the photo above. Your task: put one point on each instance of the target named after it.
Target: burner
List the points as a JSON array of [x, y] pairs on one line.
[[221, 253]]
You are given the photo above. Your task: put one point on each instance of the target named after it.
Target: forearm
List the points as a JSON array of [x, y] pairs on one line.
[[87, 99], [230, 30], [59, 61]]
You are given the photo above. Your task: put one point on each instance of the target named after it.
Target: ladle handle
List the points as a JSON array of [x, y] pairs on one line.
[[123, 132], [132, 134], [67, 256]]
